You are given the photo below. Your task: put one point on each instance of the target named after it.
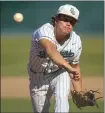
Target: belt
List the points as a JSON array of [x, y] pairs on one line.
[[50, 75]]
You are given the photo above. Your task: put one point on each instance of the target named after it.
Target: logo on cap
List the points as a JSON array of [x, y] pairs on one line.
[[72, 11]]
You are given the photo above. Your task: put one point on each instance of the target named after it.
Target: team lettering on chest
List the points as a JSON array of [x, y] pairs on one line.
[[64, 53]]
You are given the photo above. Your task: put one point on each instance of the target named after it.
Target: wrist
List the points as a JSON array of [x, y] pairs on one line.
[[67, 67]]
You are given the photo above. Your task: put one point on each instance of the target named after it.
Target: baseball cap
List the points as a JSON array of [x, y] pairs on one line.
[[69, 10]]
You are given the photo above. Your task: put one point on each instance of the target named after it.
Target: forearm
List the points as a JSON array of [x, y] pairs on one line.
[[77, 85], [56, 57]]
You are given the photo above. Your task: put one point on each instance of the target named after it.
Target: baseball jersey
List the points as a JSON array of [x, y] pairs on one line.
[[38, 59]]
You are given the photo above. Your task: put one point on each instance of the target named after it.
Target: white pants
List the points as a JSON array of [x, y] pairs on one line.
[[42, 89]]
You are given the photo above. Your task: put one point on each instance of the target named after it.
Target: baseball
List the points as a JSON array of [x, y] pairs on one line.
[[18, 17]]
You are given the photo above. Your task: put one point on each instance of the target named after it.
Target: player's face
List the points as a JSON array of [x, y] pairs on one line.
[[65, 24]]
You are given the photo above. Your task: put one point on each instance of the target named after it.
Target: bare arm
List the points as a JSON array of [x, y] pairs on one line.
[[77, 83], [55, 56]]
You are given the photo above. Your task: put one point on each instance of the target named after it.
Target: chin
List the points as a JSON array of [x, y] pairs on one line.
[[66, 33]]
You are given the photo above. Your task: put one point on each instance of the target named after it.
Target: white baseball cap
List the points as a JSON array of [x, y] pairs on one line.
[[69, 10]]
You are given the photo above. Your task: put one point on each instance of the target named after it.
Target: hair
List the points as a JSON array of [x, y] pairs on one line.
[[56, 17], [53, 18]]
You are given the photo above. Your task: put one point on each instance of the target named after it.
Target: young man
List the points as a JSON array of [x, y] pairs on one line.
[[55, 52]]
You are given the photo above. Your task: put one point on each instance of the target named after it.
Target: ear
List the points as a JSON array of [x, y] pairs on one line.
[[53, 18]]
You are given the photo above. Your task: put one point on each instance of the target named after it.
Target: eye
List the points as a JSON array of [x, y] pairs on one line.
[[66, 20], [72, 22]]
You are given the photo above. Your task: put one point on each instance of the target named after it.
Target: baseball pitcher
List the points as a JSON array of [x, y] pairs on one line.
[[54, 61]]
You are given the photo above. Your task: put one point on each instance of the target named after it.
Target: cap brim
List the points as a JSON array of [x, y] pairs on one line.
[[65, 15]]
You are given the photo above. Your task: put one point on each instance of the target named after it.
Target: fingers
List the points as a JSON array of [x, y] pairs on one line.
[[76, 73], [76, 77]]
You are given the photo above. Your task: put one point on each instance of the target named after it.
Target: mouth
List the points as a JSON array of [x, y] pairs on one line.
[[67, 29]]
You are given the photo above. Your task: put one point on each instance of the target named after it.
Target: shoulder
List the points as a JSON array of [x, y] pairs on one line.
[[45, 28], [44, 31], [46, 25]]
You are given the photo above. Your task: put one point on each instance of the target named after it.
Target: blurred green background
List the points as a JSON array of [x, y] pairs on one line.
[[37, 13], [16, 39], [15, 53]]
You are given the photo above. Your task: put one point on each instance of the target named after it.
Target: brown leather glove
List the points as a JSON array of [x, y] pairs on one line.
[[83, 99]]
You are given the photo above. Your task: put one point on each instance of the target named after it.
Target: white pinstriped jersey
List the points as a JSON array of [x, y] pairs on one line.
[[70, 50]]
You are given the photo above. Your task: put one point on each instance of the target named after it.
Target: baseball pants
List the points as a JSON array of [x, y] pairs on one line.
[[42, 89]]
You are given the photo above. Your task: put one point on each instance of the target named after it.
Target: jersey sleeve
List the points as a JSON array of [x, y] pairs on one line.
[[78, 52], [46, 31]]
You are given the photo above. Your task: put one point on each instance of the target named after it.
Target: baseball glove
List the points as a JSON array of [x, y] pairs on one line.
[[83, 99]]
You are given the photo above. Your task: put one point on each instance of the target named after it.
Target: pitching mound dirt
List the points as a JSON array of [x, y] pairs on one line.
[[18, 87]]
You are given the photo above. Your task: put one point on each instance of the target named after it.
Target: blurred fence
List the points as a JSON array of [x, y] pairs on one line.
[[37, 13]]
